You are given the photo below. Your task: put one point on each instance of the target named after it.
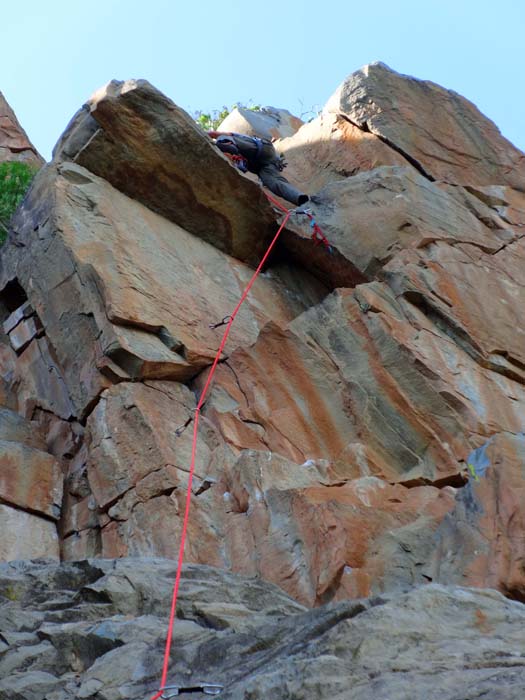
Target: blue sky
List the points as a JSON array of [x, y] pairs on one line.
[[290, 54]]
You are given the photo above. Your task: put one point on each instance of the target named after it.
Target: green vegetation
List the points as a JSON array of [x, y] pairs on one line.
[[15, 179], [209, 121]]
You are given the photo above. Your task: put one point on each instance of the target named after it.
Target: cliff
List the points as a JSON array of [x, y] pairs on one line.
[[364, 433]]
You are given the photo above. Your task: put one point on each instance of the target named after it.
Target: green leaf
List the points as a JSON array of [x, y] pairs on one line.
[[15, 179]]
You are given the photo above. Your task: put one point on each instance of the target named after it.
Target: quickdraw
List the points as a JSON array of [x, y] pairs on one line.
[[177, 690], [318, 236]]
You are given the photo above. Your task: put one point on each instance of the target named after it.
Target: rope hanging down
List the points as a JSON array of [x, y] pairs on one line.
[[231, 319]]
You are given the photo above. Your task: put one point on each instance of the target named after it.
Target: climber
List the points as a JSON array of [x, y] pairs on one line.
[[259, 157]]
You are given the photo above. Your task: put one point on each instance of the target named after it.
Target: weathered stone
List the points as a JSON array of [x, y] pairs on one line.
[[437, 130], [473, 296], [40, 382], [363, 369], [23, 334], [26, 536], [318, 542], [132, 433], [339, 446], [133, 136], [15, 428], [342, 148], [101, 632], [481, 542], [30, 479], [369, 218], [267, 122], [14, 143], [509, 203], [139, 439], [117, 286], [23, 312]]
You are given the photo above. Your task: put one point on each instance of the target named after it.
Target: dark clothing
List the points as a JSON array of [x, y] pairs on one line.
[[262, 159]]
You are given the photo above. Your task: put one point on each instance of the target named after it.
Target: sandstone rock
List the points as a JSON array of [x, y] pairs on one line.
[[138, 466], [509, 203], [372, 216], [30, 479], [342, 148], [124, 294], [480, 543], [266, 122], [473, 296], [315, 540], [98, 628], [363, 369], [26, 536], [133, 136], [435, 129], [14, 143]]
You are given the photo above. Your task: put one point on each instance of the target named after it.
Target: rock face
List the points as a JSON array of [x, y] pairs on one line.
[[437, 130], [364, 429], [14, 143], [133, 136], [95, 629], [266, 122]]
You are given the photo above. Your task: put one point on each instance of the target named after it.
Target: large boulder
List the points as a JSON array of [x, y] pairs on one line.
[[343, 148], [266, 122], [137, 139], [438, 131]]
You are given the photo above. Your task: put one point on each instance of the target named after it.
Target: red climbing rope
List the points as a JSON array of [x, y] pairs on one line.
[[194, 447]]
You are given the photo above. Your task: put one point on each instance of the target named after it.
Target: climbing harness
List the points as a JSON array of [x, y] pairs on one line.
[[239, 161], [206, 688], [176, 690]]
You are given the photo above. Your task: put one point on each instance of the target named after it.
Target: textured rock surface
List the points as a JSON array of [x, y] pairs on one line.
[[483, 537], [364, 430], [96, 630], [375, 215], [133, 136], [343, 148], [122, 293], [437, 130], [31, 488], [14, 143], [353, 371], [267, 122]]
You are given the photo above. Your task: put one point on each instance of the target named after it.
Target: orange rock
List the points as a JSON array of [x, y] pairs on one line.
[[342, 147], [30, 479], [135, 137], [436, 129], [14, 143]]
